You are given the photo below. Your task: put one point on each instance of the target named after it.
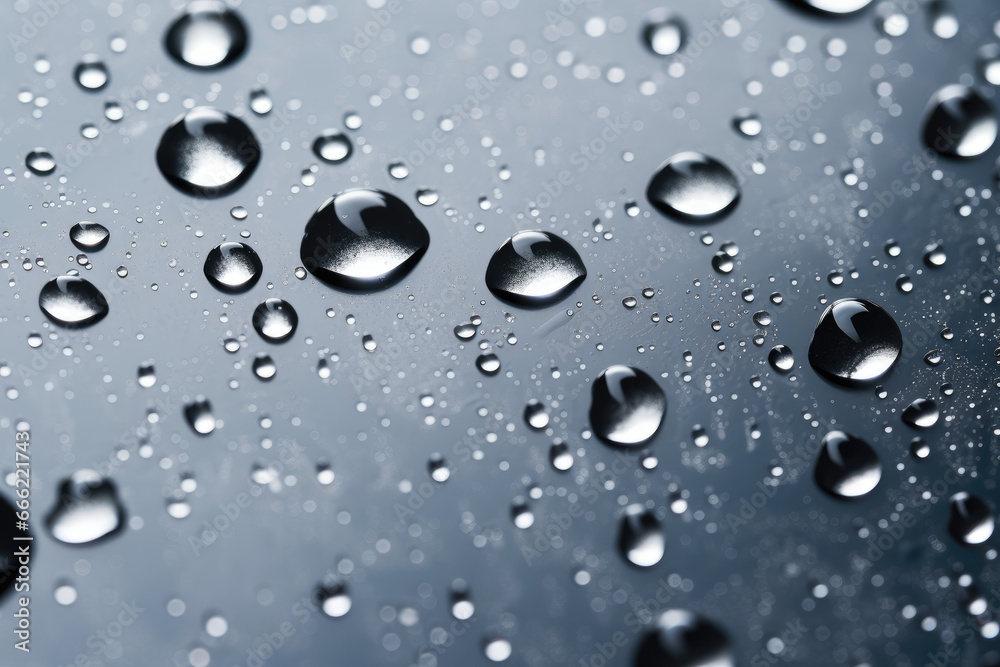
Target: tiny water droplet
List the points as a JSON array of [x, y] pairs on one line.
[[147, 376], [438, 469], [488, 364], [264, 367], [847, 467], [260, 102], [536, 416], [333, 599], [663, 33], [91, 73], [561, 456]]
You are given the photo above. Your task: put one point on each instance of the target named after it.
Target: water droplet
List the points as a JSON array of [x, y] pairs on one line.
[[87, 509], [630, 302], [363, 239], [988, 62], [40, 162], [663, 33], [723, 263], [438, 468], [90, 236], [264, 367], [260, 102], [627, 406], [561, 456], [207, 35], [275, 320], [521, 514], [536, 416], [762, 318], [747, 123], [199, 415], [462, 607], [399, 170], [781, 358], [233, 267], [681, 638], [944, 23], [934, 255], [847, 467], [427, 197], [970, 520], [488, 364], [640, 536], [959, 122], [921, 413], [334, 599], [904, 284], [71, 301], [332, 146], [497, 649], [919, 448], [465, 331], [178, 508], [91, 73], [693, 187], [534, 268], [855, 342], [147, 376]]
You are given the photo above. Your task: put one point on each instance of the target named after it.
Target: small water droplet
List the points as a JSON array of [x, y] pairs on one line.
[[465, 331], [640, 537], [693, 187], [90, 236], [260, 102], [534, 268], [488, 364], [332, 146], [663, 33], [855, 342], [334, 599], [497, 649], [747, 123], [535, 415], [275, 320], [233, 267], [264, 367], [147, 376], [199, 415], [561, 456], [438, 469], [847, 466], [91, 73]]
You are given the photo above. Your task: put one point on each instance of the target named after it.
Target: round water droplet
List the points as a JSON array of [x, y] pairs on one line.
[[233, 267], [465, 331], [333, 599], [462, 607], [438, 468], [207, 152], [663, 33], [199, 415], [693, 187], [363, 239], [919, 448], [91, 73], [260, 102], [488, 364], [640, 537], [944, 23], [970, 520], [959, 122], [921, 413], [534, 268], [934, 255], [988, 62], [723, 263], [855, 342], [781, 358], [90, 236], [71, 301], [399, 170], [747, 123], [332, 146], [275, 320], [264, 367], [147, 376], [536, 416], [40, 162], [681, 638], [627, 406], [87, 509], [847, 467], [207, 35], [497, 649], [561, 456], [521, 514]]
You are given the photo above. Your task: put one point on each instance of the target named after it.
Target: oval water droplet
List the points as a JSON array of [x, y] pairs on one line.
[[71, 301], [693, 187], [87, 509], [332, 146], [233, 267], [534, 268], [207, 35], [681, 638], [438, 468], [488, 364], [970, 520], [207, 152], [959, 122], [199, 415], [40, 162], [275, 320], [921, 413], [847, 467], [91, 73], [334, 599], [561, 456], [363, 239], [855, 342], [90, 236], [640, 537], [627, 406], [264, 367]]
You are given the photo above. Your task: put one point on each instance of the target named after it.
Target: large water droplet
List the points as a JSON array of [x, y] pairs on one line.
[[640, 536], [332, 146], [781, 358], [207, 152], [40, 162], [534, 268], [233, 267], [87, 509], [208, 34], [847, 467], [90, 236], [693, 187], [855, 342], [363, 239], [684, 639], [275, 320], [970, 519], [199, 415], [921, 413], [959, 122], [627, 406], [72, 301]]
